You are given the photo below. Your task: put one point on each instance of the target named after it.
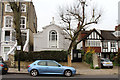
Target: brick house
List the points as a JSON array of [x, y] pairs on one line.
[[104, 42], [28, 27]]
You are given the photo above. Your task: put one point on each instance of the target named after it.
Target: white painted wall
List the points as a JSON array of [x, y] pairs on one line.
[[41, 39]]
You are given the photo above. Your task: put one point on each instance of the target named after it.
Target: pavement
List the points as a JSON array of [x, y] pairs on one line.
[[81, 68]]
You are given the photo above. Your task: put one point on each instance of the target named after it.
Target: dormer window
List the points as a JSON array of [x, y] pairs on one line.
[[23, 22]]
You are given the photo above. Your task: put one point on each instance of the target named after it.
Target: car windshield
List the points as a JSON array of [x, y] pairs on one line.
[[107, 60]]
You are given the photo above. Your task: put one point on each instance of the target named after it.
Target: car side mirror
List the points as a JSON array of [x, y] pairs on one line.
[[59, 65]]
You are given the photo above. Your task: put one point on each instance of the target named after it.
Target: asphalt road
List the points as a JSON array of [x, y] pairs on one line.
[[58, 77]]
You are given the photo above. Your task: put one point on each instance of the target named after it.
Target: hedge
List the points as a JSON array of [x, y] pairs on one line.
[[42, 55]]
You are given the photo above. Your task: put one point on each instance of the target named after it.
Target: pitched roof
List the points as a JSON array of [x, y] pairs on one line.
[[105, 34], [108, 35], [89, 32]]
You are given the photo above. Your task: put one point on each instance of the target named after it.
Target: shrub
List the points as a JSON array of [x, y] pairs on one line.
[[97, 67], [88, 58], [91, 66], [42, 55]]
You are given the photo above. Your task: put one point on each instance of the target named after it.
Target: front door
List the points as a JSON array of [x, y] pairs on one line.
[[77, 56]]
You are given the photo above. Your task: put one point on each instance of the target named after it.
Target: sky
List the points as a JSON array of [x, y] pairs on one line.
[[46, 9]]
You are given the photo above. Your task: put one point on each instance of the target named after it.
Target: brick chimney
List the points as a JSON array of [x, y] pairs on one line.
[[117, 28]]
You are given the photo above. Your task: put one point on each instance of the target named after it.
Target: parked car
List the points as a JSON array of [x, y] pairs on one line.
[[50, 67], [105, 62], [3, 66]]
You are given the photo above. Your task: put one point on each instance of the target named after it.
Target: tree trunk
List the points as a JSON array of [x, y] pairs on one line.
[[69, 60]]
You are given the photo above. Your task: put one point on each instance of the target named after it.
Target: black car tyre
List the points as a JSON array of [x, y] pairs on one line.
[[111, 67], [34, 72], [102, 66], [68, 73]]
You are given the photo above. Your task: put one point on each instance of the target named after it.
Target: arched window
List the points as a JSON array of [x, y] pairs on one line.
[[53, 35], [8, 21], [53, 39]]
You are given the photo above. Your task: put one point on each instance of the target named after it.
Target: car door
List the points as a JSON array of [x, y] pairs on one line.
[[54, 68], [42, 67]]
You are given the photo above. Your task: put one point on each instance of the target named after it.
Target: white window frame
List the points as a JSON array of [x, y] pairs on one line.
[[53, 43], [24, 24], [113, 44], [6, 47], [50, 35], [6, 5], [10, 36], [6, 10], [105, 43], [5, 21], [24, 8]]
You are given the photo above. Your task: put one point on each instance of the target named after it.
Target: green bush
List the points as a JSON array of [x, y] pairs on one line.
[[97, 67], [91, 66], [88, 58], [115, 58], [42, 55]]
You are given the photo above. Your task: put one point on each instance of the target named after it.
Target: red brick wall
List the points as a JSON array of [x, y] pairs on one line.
[[97, 49], [119, 50]]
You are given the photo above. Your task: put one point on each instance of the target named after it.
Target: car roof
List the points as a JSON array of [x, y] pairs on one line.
[[45, 60]]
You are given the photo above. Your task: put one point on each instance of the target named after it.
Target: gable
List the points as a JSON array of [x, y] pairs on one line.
[[94, 36]]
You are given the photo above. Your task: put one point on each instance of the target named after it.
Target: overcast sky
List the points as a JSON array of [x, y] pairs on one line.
[[46, 9]]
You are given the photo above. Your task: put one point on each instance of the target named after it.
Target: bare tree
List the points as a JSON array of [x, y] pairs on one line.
[[80, 15], [16, 8]]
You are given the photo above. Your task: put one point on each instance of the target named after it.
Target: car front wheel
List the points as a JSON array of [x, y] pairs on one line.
[[68, 73], [34, 72]]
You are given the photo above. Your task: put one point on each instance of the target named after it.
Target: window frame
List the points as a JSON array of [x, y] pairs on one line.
[[23, 24], [113, 44], [42, 65], [51, 35], [4, 49], [6, 10], [9, 36], [6, 5], [53, 62], [25, 8], [53, 43], [105, 42], [6, 21]]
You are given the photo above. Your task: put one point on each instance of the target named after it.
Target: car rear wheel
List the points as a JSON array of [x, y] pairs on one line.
[[68, 73], [34, 72]]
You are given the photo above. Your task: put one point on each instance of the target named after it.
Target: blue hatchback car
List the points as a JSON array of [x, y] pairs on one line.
[[50, 67]]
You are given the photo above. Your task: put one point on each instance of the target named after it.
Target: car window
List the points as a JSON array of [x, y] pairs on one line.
[[102, 60], [107, 60], [51, 63], [42, 63]]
